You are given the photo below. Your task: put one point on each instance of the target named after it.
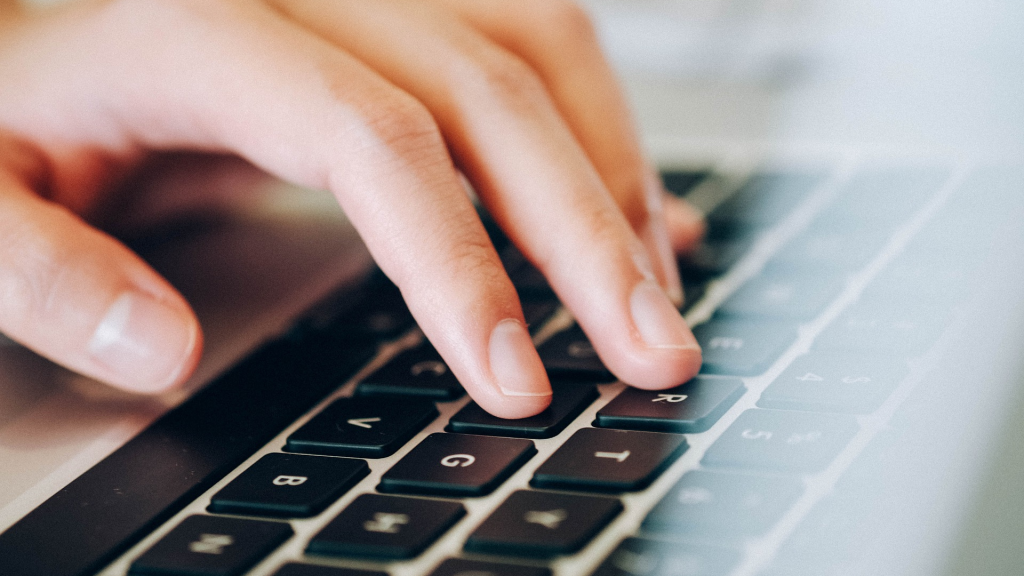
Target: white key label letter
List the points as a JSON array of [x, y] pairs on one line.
[[283, 480]]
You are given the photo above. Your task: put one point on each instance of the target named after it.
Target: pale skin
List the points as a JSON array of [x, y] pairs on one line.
[[385, 104]]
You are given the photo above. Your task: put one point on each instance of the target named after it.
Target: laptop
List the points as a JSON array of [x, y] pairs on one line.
[[857, 298]]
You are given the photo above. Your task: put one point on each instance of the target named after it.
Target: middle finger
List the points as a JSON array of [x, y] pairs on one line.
[[508, 137]]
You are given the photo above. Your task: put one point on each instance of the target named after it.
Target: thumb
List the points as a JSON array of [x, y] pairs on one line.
[[84, 300]]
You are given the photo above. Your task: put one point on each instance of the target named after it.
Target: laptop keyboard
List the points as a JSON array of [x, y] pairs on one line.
[[799, 296]]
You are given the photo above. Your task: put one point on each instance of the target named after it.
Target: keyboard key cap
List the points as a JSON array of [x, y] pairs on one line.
[[212, 546], [827, 246], [765, 199], [386, 527], [567, 401], [834, 382], [906, 330], [609, 460], [692, 407], [463, 567], [457, 465], [742, 348], [542, 524], [885, 196], [723, 507], [295, 569], [375, 312], [289, 486], [680, 182], [714, 257], [569, 354], [782, 440], [538, 312], [640, 557], [417, 372], [796, 295], [362, 427]]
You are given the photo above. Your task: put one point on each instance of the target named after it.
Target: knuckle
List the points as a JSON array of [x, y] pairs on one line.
[[505, 78], [568, 22], [473, 257], [34, 265], [628, 186], [402, 124]]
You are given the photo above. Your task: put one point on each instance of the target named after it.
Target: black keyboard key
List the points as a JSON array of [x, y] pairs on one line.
[[609, 460], [538, 312], [289, 486], [782, 440], [713, 257], [723, 507], [742, 348], [457, 465], [295, 569], [795, 295], [463, 567], [417, 372], [211, 546], [692, 407], [570, 355], [681, 182], [375, 312], [542, 524], [362, 427], [386, 527], [567, 401], [834, 382], [764, 199], [641, 557], [116, 503]]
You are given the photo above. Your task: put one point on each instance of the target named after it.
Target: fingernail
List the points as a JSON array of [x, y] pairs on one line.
[[144, 342], [514, 361], [657, 320]]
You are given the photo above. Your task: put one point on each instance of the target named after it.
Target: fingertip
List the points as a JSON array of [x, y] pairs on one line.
[[146, 345], [686, 224]]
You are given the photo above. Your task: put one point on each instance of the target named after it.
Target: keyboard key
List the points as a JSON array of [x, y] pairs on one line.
[[386, 527], [375, 312], [295, 569], [794, 295], [640, 557], [570, 355], [463, 567], [289, 486], [417, 372], [781, 440], [542, 524], [742, 348], [907, 330], [692, 407], [714, 257], [609, 460], [827, 246], [457, 465], [362, 427], [567, 401], [538, 312], [723, 507], [765, 199], [885, 196], [212, 546], [834, 382], [680, 182]]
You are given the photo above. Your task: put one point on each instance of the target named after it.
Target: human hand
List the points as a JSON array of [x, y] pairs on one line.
[[383, 103]]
